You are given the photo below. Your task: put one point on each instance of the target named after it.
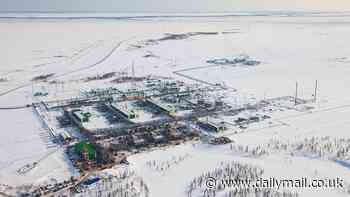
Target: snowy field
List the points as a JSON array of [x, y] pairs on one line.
[[23, 142], [293, 49]]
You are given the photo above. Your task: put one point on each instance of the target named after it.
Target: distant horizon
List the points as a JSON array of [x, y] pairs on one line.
[[121, 15], [187, 12], [170, 6]]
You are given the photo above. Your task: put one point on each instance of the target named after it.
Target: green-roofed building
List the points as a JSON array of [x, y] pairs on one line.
[[83, 146]]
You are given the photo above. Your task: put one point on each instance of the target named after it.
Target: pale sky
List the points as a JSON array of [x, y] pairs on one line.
[[173, 5]]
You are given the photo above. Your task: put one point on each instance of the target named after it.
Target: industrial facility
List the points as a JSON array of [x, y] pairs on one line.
[[125, 119], [104, 126]]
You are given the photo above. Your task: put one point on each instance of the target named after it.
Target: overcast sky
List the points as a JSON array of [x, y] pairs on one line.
[[172, 5]]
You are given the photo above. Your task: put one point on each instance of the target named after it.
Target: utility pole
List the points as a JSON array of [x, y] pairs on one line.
[[296, 94], [133, 69], [32, 89], [133, 84], [315, 93]]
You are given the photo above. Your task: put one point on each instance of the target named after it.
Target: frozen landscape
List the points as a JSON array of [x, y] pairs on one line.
[[288, 71]]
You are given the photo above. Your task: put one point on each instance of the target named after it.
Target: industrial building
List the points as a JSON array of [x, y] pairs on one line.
[[163, 106], [65, 137], [137, 112], [119, 143], [211, 124], [156, 137], [124, 109]]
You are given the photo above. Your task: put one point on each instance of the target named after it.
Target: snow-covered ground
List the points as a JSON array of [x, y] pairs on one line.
[[293, 49], [23, 142]]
